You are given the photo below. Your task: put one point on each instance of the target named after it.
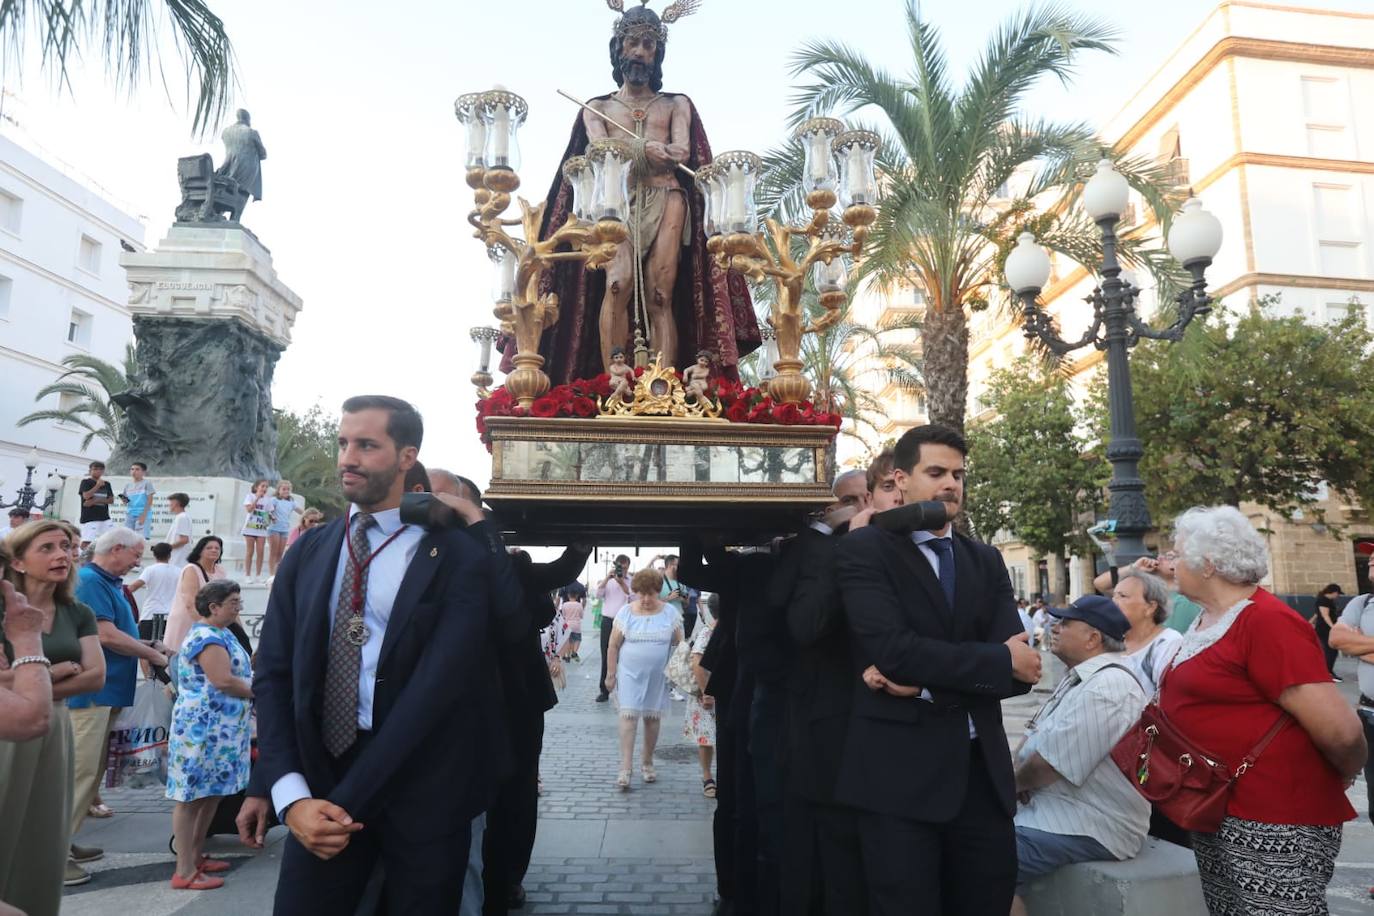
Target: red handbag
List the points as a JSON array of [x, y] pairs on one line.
[[1188, 784]]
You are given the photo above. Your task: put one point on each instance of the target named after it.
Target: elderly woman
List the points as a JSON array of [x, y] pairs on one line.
[[642, 638], [36, 775], [208, 748], [1247, 663], [1144, 598]]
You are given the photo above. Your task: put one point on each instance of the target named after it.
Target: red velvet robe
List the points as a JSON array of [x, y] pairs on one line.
[[711, 307]]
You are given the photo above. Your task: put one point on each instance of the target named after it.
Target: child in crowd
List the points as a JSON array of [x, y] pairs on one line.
[[283, 507], [257, 522]]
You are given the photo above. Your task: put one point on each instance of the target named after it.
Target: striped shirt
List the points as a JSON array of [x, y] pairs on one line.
[[1074, 732]]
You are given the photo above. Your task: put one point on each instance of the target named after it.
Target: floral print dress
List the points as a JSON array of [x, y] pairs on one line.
[[208, 749]]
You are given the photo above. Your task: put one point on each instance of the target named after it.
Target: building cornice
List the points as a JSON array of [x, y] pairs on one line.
[[1236, 46], [1294, 281], [26, 264], [9, 169]]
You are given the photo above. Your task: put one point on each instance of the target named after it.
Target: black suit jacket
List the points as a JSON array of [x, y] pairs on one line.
[[821, 686], [524, 669], [439, 747], [907, 756]]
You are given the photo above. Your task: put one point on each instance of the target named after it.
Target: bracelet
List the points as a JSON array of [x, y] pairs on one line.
[[31, 660]]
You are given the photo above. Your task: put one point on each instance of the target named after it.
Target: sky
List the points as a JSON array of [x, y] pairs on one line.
[[365, 206]]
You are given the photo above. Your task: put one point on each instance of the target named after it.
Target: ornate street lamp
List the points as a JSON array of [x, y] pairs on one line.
[[1194, 239], [28, 494]]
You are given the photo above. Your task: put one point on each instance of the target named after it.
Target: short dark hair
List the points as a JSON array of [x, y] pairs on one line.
[[182, 498], [417, 476], [880, 468], [403, 424], [476, 490], [216, 591], [622, 557], [17, 512], [670, 558], [140, 465], [95, 464], [907, 453], [196, 551], [617, 351], [162, 551]]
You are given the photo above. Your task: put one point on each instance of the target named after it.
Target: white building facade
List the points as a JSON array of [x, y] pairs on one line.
[[62, 292]]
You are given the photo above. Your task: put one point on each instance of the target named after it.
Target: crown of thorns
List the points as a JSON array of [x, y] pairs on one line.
[[637, 26]]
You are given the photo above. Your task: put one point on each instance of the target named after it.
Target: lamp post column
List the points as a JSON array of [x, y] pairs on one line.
[[1127, 506]]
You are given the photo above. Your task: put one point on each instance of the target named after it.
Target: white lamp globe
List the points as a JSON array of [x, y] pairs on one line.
[[1106, 193], [1028, 266], [1195, 234]]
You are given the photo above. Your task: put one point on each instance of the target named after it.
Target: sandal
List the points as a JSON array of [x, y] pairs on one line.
[[211, 866], [196, 882], [708, 787], [649, 774], [622, 782], [100, 810]]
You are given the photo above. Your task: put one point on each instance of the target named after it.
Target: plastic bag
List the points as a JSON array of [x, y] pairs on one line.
[[138, 740]]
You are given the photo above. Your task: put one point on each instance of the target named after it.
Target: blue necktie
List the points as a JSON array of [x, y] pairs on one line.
[[944, 549]]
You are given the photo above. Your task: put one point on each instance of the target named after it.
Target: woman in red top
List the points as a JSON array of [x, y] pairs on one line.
[[1247, 661]]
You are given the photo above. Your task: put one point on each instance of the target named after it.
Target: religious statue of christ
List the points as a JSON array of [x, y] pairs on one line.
[[663, 283]]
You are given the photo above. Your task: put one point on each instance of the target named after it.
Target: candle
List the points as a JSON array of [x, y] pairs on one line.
[[505, 274], [819, 155], [612, 188], [586, 183], [858, 175], [736, 199], [486, 351], [500, 137]]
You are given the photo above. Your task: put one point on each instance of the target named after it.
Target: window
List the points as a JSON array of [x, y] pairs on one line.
[[67, 402], [1326, 113], [1337, 311], [6, 290], [11, 212], [79, 329], [88, 257], [1337, 219], [1171, 158]]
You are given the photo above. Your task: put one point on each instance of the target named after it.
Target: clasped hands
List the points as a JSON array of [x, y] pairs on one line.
[[319, 825], [1025, 667]]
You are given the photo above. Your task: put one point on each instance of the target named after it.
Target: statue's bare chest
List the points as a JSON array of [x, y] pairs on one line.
[[651, 118]]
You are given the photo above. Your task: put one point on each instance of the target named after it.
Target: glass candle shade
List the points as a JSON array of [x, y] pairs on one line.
[[832, 277], [578, 172], [507, 264], [857, 150], [611, 161], [739, 172], [770, 353], [484, 338], [503, 112], [819, 172], [467, 110], [712, 186]]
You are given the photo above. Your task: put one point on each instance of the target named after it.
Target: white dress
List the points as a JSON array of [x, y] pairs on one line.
[[641, 688]]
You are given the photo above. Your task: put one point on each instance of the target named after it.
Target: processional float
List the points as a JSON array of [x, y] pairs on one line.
[[639, 462]]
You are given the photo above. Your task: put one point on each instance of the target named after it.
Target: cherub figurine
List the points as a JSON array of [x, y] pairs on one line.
[[697, 379], [622, 376]]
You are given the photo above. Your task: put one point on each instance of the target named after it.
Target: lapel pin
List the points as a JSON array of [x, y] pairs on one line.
[[434, 551]]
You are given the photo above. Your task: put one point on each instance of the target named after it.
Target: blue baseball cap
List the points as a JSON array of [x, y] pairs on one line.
[[1096, 611]]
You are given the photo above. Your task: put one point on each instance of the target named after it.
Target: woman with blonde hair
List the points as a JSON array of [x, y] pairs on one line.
[[641, 640], [309, 519], [283, 507], [36, 775]]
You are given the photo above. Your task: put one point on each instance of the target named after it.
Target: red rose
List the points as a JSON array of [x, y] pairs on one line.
[[836, 420], [561, 394], [600, 386], [518, 411], [737, 413], [544, 407], [639, 371], [786, 413], [583, 407]]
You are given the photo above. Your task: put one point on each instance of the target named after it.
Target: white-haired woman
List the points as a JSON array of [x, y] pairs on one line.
[[1247, 662], [1144, 598]]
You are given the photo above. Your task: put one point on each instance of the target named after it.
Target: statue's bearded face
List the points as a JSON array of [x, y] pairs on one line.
[[637, 55]]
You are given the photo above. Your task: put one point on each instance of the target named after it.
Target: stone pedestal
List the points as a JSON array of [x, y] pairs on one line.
[[211, 318]]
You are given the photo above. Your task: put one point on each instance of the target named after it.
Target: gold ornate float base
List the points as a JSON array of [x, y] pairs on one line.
[[650, 481]]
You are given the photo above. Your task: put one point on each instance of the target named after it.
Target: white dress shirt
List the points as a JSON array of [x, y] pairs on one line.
[[384, 575]]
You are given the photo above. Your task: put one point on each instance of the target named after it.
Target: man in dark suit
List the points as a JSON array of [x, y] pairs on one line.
[[932, 615], [372, 680], [822, 837]]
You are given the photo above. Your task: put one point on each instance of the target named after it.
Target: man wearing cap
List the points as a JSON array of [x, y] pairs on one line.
[[1075, 804]]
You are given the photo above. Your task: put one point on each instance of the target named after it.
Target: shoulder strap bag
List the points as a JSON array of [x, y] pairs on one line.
[[1188, 784]]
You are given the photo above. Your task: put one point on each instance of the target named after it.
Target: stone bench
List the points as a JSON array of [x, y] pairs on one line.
[[1161, 881]]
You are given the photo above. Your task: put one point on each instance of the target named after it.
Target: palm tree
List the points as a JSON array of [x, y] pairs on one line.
[[93, 382], [306, 449], [126, 33], [947, 157]]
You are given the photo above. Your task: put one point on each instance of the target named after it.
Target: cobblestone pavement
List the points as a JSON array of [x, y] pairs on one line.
[[599, 851]]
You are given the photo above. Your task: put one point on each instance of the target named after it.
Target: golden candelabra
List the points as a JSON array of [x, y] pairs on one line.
[[728, 187], [492, 119]]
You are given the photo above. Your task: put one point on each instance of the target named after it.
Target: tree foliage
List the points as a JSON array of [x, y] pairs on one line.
[[1253, 408], [1033, 470], [92, 382], [126, 34], [948, 156], [307, 446]]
